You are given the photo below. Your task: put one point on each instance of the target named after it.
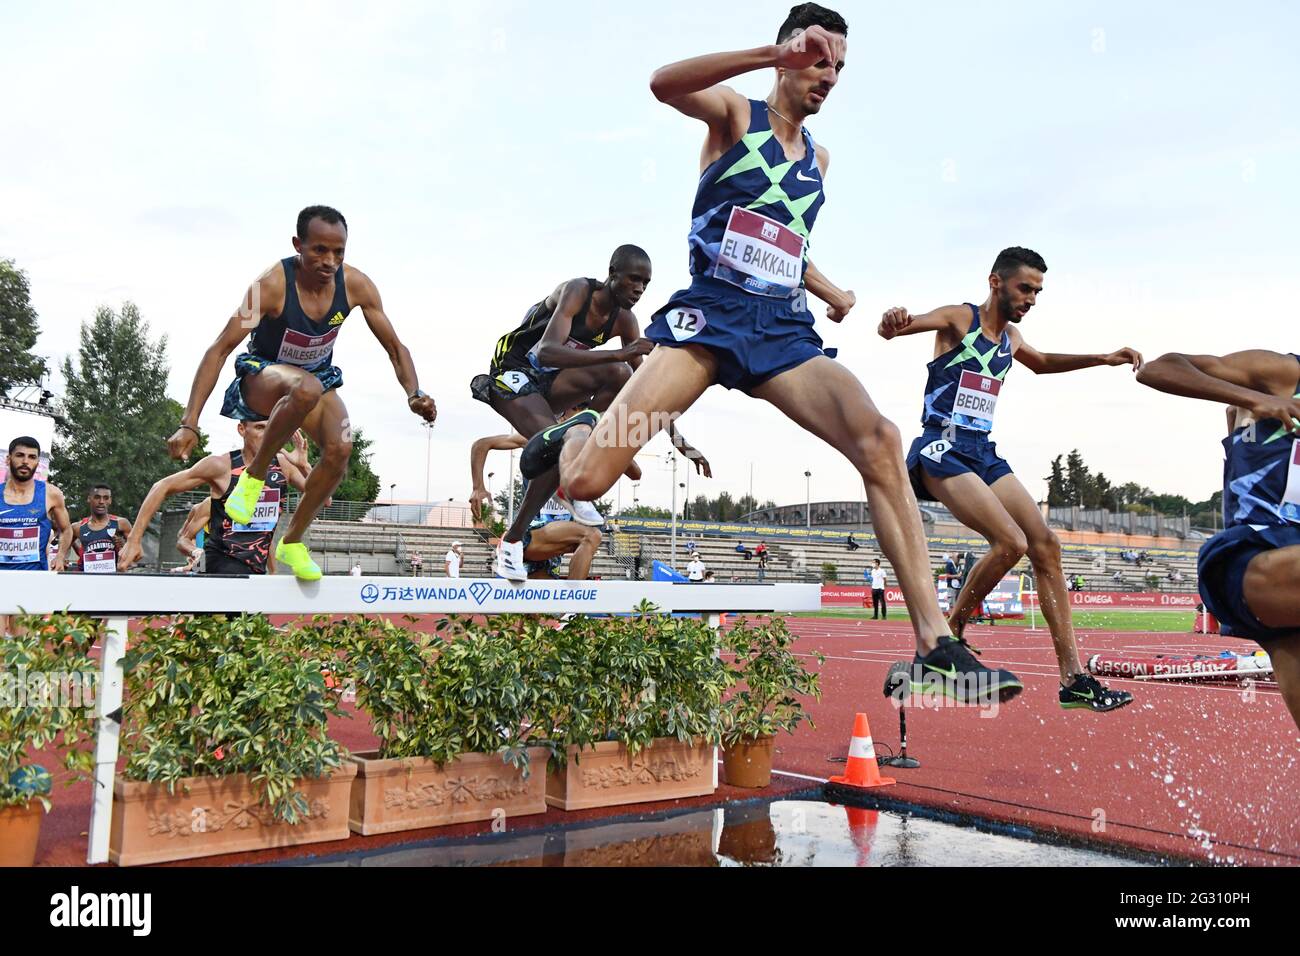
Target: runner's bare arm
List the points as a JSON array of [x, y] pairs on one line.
[[948, 318], [187, 540], [58, 511], [480, 502], [551, 350], [1052, 363], [690, 452], [838, 302], [123, 531], [213, 471], [364, 294], [628, 331], [264, 297], [1256, 379]]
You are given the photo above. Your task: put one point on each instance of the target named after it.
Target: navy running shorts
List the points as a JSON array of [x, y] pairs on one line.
[[939, 457], [329, 376], [1221, 570], [512, 383], [754, 338]]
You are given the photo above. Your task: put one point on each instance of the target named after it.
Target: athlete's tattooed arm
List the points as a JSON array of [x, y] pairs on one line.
[[480, 501], [213, 471], [1258, 380], [264, 297], [58, 511], [1051, 363], [364, 294]]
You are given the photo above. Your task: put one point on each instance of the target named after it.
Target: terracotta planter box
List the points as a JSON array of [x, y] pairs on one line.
[[20, 830], [209, 816], [415, 794], [605, 776]]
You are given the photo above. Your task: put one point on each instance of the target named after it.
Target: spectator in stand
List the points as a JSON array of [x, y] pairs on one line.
[[417, 564], [951, 570], [1080, 583], [356, 570], [878, 605], [690, 547], [708, 577], [1118, 577], [695, 570], [761, 552], [853, 545], [744, 551], [452, 559]]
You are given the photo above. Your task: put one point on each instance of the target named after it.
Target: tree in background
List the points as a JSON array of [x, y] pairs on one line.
[[19, 329], [117, 415], [360, 483], [1072, 483]]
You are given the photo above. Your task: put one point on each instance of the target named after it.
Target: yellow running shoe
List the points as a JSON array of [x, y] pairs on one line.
[[298, 558], [243, 499]]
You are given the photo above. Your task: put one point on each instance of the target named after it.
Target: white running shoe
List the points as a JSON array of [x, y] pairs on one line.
[[510, 562], [584, 512]]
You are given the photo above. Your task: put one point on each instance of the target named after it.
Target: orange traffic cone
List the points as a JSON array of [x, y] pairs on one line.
[[862, 771], [862, 831]]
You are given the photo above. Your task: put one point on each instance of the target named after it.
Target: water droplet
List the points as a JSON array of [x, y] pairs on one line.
[[1169, 778]]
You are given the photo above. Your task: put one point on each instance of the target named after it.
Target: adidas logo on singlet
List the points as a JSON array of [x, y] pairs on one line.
[[338, 319]]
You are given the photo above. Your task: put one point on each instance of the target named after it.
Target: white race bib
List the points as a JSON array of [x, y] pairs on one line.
[[307, 351], [265, 515], [685, 323], [20, 545], [936, 450], [976, 401], [515, 381], [99, 562], [1291, 499], [760, 255]]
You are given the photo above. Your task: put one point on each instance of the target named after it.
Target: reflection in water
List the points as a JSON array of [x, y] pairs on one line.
[[762, 834]]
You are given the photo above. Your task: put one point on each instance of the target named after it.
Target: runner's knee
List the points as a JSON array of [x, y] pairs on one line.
[[1046, 550], [306, 392], [336, 454], [1010, 545], [879, 450]]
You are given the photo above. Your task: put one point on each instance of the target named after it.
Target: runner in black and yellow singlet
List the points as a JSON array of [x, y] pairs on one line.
[[554, 361], [287, 378], [955, 462], [232, 546], [1249, 575]]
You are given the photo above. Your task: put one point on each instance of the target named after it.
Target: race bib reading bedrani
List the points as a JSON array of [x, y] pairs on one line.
[[976, 401]]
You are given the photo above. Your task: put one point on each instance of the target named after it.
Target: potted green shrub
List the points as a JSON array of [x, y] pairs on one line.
[[47, 699], [768, 681], [452, 712], [226, 743], [633, 705]]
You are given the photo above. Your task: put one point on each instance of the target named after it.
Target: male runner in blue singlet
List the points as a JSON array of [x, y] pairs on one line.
[[29, 511], [554, 361], [98, 536], [1249, 575], [954, 462], [744, 322], [293, 314]]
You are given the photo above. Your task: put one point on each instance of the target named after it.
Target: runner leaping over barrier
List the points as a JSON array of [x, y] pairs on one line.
[[121, 597]]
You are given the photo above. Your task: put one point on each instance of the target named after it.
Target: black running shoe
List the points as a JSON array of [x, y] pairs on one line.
[[1087, 691], [952, 669], [542, 452]]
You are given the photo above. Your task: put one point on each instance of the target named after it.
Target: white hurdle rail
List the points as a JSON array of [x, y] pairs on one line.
[[118, 598]]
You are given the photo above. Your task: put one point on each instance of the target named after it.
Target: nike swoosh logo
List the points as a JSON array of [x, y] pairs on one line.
[[1004, 355], [807, 179], [951, 672], [1088, 696]]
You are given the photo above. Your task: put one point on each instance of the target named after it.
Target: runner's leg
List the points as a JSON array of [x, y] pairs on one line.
[[1045, 553], [827, 400], [286, 395], [975, 505], [329, 427], [528, 415], [1271, 592], [668, 382]]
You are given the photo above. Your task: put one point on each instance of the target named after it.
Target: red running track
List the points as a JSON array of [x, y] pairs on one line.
[[1189, 770]]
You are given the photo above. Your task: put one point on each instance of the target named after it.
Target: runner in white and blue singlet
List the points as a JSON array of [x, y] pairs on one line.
[[745, 323], [1249, 575], [955, 462]]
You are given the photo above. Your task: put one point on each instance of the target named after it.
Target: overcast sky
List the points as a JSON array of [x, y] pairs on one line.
[[159, 153]]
